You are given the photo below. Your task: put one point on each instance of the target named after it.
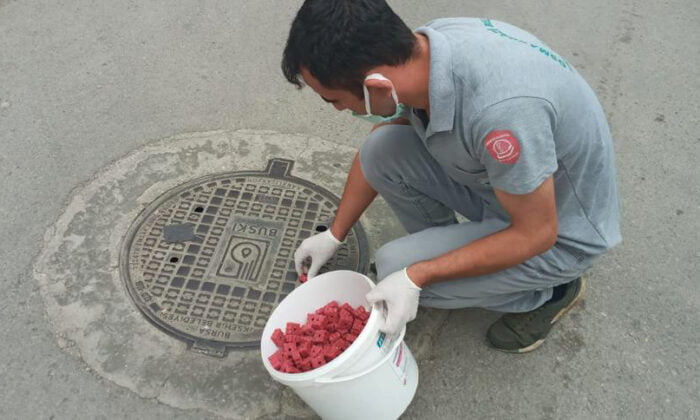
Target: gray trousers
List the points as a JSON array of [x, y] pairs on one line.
[[424, 198]]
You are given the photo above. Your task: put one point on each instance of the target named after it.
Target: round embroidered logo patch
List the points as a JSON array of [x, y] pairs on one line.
[[503, 146]]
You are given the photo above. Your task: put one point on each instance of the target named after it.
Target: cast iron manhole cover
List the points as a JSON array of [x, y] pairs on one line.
[[209, 260]]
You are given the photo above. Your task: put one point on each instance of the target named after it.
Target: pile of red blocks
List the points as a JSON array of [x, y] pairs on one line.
[[325, 335]]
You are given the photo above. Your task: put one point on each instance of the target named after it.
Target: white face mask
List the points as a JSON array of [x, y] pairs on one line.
[[377, 119]]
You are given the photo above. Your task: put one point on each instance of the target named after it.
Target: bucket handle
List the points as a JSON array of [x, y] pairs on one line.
[[399, 341]]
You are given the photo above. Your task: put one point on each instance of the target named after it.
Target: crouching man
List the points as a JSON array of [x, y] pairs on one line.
[[472, 116]]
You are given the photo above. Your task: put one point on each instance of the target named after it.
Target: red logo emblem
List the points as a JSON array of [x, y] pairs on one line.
[[503, 146]]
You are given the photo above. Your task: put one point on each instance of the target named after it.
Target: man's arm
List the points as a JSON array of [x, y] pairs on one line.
[[320, 248], [357, 195], [533, 230]]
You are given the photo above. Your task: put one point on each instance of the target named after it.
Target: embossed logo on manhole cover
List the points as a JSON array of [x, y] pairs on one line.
[[208, 261], [248, 248]]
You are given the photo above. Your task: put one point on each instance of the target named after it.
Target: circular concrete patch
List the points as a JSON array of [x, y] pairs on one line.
[[89, 308]]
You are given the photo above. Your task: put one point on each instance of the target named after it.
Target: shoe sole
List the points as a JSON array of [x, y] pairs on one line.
[[561, 313]]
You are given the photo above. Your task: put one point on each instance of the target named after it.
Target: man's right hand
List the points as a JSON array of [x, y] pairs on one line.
[[320, 248]]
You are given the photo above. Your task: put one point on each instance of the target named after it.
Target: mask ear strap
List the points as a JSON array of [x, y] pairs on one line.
[[367, 105], [393, 95]]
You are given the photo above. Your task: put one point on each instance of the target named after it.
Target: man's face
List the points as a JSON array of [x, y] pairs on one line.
[[340, 99]]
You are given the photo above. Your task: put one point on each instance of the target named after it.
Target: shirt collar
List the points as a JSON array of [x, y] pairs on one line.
[[441, 89]]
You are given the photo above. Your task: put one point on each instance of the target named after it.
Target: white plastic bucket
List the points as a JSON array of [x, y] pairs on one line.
[[375, 378]]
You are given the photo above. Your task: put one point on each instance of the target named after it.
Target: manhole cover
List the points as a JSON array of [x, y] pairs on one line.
[[208, 261]]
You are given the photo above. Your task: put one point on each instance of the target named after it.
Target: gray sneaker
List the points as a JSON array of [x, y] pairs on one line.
[[524, 332]]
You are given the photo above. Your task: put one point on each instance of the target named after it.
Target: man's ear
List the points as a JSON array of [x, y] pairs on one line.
[[379, 88]]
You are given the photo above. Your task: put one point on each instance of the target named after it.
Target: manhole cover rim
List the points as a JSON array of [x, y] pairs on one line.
[[149, 209]]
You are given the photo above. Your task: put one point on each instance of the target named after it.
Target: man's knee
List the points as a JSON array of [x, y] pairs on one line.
[[390, 258], [383, 149]]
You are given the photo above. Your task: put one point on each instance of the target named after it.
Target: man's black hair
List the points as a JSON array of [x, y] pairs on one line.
[[338, 41]]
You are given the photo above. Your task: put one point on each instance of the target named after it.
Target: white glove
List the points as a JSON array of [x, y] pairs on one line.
[[320, 248], [401, 297]]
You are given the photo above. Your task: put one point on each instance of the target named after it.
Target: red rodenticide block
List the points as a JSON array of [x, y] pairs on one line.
[[307, 331], [361, 313], [291, 369], [289, 348], [345, 313], [331, 352], [350, 338], [330, 310], [333, 336], [331, 324], [277, 360], [296, 357], [326, 353], [305, 365], [318, 322], [345, 322], [305, 349], [320, 337], [357, 327], [292, 328], [291, 338], [278, 337], [341, 344], [347, 307], [317, 361], [316, 350]]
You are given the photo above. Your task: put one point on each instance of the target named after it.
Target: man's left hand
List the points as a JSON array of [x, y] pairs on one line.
[[401, 296]]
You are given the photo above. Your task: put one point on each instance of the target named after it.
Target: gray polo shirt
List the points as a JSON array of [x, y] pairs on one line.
[[507, 112]]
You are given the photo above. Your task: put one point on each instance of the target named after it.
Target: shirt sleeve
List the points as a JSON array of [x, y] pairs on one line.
[[514, 140]]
